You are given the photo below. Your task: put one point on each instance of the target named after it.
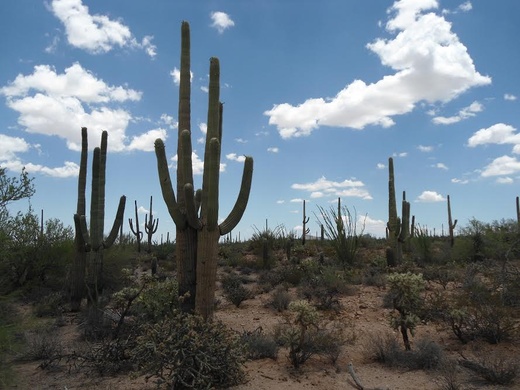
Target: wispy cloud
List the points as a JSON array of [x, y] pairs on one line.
[[510, 97], [465, 113], [273, 150], [501, 166], [324, 187], [425, 149], [430, 64]]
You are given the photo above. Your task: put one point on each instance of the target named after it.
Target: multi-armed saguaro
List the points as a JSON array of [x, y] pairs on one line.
[[92, 241], [196, 214], [397, 228], [150, 227], [136, 231]]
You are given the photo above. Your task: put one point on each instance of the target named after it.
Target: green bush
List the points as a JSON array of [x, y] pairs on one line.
[[280, 299], [385, 349], [234, 290], [259, 345], [187, 352], [305, 334]]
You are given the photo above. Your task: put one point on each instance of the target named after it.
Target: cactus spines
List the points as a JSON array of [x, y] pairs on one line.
[[136, 231], [92, 240], [196, 213], [150, 227], [305, 221], [451, 224]]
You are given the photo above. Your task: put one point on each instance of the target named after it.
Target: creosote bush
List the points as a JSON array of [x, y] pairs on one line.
[[385, 349], [259, 345], [305, 334], [234, 289]]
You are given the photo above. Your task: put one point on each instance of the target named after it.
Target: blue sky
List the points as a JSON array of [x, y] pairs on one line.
[[321, 95]]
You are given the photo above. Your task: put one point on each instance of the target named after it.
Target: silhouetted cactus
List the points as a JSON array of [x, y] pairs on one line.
[[92, 240], [451, 224], [305, 221], [150, 227], [136, 231], [196, 213]]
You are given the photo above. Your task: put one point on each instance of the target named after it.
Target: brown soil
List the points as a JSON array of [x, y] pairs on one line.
[[362, 313]]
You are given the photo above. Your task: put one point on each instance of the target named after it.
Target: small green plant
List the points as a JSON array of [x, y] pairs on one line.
[[259, 345], [234, 289], [280, 299], [405, 292]]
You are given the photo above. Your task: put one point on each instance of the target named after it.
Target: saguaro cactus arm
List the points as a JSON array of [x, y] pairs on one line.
[[81, 222], [166, 185], [118, 222], [237, 212]]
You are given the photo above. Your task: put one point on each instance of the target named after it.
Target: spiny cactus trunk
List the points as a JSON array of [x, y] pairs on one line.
[[77, 272], [207, 255], [186, 260], [393, 222]]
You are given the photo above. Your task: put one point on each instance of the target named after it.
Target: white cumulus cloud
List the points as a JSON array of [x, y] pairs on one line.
[[430, 197], [221, 21], [430, 64], [96, 33]]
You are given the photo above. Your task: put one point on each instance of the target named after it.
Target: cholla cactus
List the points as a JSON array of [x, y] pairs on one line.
[[405, 291]]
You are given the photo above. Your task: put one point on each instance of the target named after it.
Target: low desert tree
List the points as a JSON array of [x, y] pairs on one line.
[[14, 188]]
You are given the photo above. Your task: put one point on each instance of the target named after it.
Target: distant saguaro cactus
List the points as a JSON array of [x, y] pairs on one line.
[[451, 223], [305, 221], [196, 213], [92, 241], [136, 231], [150, 227]]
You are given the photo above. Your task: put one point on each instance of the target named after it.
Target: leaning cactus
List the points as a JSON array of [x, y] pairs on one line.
[[196, 213], [93, 240]]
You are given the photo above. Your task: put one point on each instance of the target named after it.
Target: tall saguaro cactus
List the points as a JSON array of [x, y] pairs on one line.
[[393, 220], [451, 223], [77, 275], [305, 221], [92, 240], [150, 227], [196, 213], [136, 231]]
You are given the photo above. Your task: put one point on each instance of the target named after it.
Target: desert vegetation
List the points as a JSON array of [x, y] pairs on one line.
[[81, 309]]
